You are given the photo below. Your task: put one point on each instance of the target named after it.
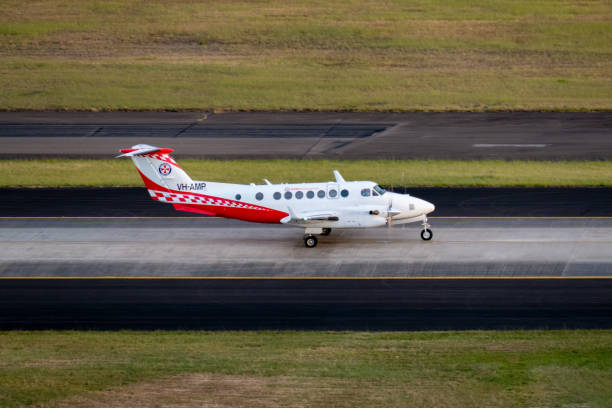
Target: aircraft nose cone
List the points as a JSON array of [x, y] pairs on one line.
[[429, 207], [425, 207]]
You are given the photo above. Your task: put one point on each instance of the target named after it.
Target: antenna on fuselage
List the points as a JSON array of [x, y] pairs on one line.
[[267, 182], [339, 178]]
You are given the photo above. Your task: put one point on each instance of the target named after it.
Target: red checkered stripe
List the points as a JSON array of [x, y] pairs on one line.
[[163, 157], [186, 198]]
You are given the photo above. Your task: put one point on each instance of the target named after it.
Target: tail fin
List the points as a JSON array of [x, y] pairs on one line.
[[158, 170]]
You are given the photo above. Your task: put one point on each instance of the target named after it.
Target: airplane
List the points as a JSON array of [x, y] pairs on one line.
[[316, 207]]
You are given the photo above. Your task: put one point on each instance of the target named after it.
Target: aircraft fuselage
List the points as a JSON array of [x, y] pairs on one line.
[[316, 207]]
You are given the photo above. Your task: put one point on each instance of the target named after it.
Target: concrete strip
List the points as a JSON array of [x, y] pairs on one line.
[[219, 247]]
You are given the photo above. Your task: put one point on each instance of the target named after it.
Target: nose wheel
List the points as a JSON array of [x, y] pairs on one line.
[[310, 241], [426, 233]]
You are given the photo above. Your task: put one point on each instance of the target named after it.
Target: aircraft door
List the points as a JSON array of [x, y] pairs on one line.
[[332, 190]]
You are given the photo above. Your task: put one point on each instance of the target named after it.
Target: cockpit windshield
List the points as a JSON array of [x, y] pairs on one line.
[[379, 189]]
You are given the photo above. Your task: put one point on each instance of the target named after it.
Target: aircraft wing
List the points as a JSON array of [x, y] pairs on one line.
[[309, 217]]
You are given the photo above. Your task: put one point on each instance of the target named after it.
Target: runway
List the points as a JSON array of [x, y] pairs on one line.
[[305, 304], [459, 136], [466, 202], [209, 273], [216, 247], [132, 269]]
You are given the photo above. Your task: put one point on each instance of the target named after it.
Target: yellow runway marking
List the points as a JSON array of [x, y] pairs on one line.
[[304, 277]]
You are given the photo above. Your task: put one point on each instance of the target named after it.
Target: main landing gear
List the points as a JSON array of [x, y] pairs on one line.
[[310, 241], [426, 233]]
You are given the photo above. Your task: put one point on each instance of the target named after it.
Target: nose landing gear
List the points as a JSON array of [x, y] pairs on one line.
[[426, 233]]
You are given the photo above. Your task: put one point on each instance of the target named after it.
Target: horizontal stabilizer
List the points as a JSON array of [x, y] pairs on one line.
[[140, 150]]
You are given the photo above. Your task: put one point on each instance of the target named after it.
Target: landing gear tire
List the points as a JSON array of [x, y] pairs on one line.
[[426, 234], [310, 241], [326, 231]]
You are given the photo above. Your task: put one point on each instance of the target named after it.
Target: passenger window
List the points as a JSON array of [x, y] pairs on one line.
[[333, 193], [299, 195], [344, 193], [310, 194], [288, 195], [365, 192], [238, 197], [259, 196], [321, 194], [277, 196]]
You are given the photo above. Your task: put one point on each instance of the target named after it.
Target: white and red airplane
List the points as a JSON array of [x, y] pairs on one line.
[[316, 207]]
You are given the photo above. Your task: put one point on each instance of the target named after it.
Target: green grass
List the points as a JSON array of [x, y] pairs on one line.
[[429, 369], [307, 55], [106, 173], [285, 84]]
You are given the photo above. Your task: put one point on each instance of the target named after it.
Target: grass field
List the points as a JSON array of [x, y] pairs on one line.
[[108, 173], [308, 54], [339, 369]]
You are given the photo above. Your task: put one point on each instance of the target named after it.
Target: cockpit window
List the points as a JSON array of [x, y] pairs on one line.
[[379, 189], [365, 192]]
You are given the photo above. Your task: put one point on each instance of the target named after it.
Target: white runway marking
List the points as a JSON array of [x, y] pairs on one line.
[[509, 145]]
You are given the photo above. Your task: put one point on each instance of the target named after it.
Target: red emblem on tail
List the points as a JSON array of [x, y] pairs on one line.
[[165, 169]]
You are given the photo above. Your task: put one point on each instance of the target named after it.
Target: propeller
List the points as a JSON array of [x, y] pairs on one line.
[[390, 213]]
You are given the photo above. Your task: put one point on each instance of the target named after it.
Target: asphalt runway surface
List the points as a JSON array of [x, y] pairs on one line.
[[243, 304], [502, 135], [173, 272], [466, 202]]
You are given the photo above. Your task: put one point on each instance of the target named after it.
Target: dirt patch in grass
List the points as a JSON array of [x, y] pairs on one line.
[[214, 390], [299, 369]]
